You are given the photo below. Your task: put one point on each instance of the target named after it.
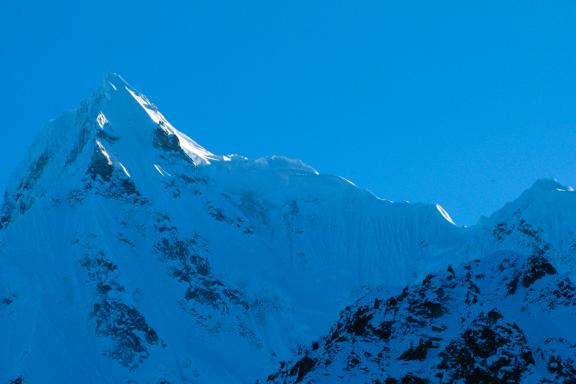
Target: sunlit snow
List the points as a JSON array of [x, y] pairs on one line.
[[102, 120], [104, 152], [161, 171], [444, 214]]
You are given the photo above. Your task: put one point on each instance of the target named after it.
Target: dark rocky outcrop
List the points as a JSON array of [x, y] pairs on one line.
[[537, 268], [127, 328], [450, 328]]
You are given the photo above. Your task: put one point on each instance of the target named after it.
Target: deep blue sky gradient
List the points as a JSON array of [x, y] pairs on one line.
[[464, 103]]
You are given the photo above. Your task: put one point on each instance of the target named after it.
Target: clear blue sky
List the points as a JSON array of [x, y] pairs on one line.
[[464, 103]]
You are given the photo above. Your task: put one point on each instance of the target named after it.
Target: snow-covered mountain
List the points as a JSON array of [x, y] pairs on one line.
[[130, 253]]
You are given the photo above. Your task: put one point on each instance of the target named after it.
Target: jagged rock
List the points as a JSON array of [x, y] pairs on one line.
[[128, 329], [538, 267], [433, 332]]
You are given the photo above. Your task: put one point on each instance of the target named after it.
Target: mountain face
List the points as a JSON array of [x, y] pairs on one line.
[[130, 253]]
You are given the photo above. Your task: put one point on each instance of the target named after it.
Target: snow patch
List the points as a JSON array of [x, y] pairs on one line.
[[161, 171], [445, 214], [124, 169], [102, 120], [346, 180], [104, 152]]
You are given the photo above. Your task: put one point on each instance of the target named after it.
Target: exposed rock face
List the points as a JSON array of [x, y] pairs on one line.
[[489, 350], [128, 329], [459, 326]]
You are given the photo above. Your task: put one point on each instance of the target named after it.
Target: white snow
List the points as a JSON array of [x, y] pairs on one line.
[[348, 181], [161, 171], [104, 152], [445, 214], [102, 120], [124, 169]]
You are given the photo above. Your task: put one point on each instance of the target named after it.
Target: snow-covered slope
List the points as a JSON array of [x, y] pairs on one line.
[[130, 253], [507, 318], [542, 219]]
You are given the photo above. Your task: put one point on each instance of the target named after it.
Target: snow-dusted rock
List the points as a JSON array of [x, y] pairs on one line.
[[507, 318]]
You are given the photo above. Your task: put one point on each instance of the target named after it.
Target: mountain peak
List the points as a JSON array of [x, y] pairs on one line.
[[544, 194], [549, 184], [114, 77], [117, 129], [115, 81], [122, 109]]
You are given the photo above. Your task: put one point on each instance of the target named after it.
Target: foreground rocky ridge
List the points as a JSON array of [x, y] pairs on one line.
[[504, 319]]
